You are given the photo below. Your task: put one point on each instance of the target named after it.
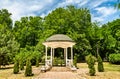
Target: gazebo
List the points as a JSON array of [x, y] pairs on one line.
[[59, 41]]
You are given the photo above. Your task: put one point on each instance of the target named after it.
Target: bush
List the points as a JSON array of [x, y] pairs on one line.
[[28, 70], [16, 66], [75, 60], [100, 64], [114, 58], [91, 61], [21, 64], [37, 61]]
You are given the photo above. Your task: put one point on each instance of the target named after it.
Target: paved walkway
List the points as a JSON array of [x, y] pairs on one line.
[[59, 73]]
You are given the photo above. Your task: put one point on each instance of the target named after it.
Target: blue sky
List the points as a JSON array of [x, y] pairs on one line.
[[101, 10]]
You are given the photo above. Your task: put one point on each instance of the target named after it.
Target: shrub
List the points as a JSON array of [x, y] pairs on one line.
[[114, 58], [100, 64], [16, 66], [21, 64], [75, 60], [91, 61], [37, 61], [28, 70]]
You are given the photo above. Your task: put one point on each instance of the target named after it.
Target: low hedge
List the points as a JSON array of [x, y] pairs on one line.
[[114, 58]]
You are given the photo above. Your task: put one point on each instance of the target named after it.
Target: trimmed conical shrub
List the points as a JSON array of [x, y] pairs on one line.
[[91, 61], [100, 64], [37, 61], [28, 70], [21, 64], [75, 60], [16, 67]]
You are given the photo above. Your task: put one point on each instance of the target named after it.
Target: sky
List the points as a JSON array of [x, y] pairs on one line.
[[102, 11]]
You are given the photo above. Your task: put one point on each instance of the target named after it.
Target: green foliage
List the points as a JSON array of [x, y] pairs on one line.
[[28, 34], [8, 46], [114, 58], [28, 70], [28, 30], [110, 42], [37, 61], [58, 61], [73, 22], [21, 64], [16, 66], [100, 64], [34, 55], [5, 18], [75, 60], [91, 62]]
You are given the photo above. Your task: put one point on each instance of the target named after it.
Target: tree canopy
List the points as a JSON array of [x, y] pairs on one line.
[[30, 32]]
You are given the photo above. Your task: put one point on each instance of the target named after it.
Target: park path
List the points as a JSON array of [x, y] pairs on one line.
[[59, 73]]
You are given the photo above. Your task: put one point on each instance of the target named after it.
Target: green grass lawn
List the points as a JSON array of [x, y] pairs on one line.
[[111, 67], [112, 71], [107, 66]]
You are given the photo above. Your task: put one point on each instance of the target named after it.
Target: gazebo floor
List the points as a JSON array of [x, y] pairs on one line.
[[60, 69]]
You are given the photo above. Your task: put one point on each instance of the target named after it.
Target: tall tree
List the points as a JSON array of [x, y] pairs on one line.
[[71, 21], [5, 18], [27, 31], [8, 46]]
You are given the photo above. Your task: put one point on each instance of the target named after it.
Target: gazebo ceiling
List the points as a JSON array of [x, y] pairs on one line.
[[59, 37], [59, 40]]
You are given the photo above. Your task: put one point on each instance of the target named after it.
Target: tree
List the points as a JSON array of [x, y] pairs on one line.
[[75, 60], [5, 18], [16, 66], [95, 38], [21, 64], [28, 30], [111, 37], [73, 22], [37, 61], [28, 70], [91, 62], [8, 46], [100, 64]]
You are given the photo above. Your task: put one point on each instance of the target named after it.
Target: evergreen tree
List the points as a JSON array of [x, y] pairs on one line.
[[91, 61], [16, 67], [21, 64], [100, 64], [37, 61], [28, 70], [75, 60]]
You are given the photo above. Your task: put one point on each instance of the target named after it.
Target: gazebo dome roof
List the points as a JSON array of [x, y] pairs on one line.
[[59, 40], [59, 37]]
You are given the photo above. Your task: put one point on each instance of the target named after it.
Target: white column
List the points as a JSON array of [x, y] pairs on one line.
[[71, 55], [46, 55], [51, 55], [66, 56]]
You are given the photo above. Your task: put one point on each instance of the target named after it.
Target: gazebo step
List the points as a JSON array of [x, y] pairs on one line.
[[60, 69]]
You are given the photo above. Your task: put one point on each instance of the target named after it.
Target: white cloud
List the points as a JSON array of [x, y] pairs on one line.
[[82, 3], [99, 19], [20, 8], [104, 13], [96, 3]]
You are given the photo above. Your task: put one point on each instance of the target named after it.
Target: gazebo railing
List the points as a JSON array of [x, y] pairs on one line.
[[69, 63], [48, 62]]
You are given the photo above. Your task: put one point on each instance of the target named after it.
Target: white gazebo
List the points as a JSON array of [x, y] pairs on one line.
[[56, 41]]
